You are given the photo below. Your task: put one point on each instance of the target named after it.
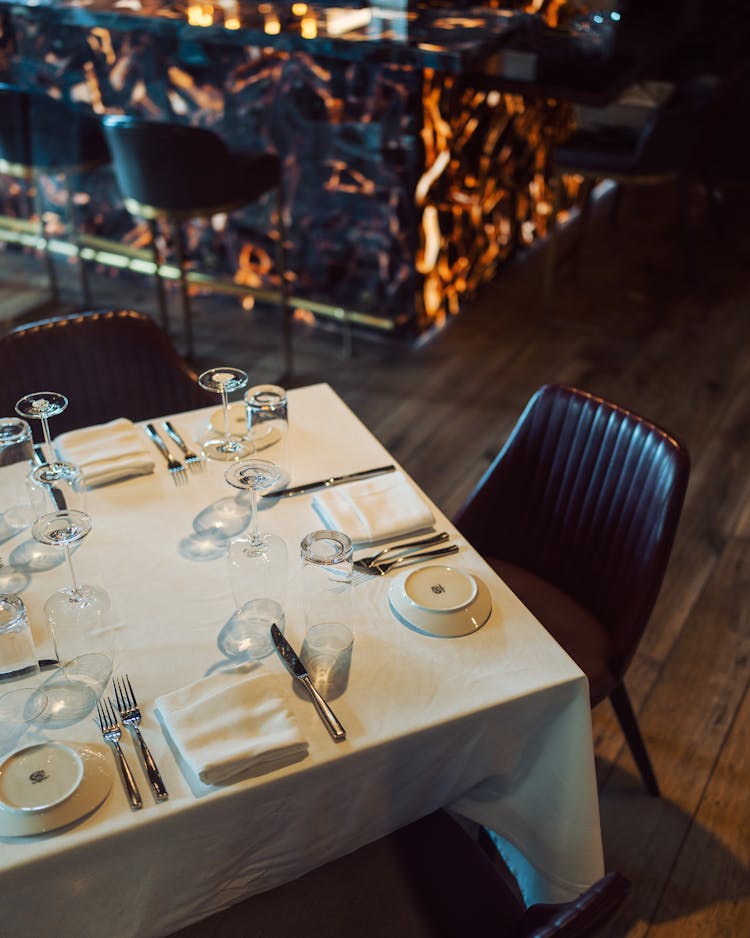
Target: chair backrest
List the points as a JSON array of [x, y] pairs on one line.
[[671, 136], [109, 364], [41, 132], [167, 166], [586, 495]]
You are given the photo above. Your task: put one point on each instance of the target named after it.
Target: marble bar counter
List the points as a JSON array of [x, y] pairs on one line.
[[415, 153]]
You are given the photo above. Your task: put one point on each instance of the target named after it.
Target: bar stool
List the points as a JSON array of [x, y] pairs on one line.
[[173, 172], [663, 151], [40, 135]]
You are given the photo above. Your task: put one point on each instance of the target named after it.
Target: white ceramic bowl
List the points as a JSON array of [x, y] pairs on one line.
[[441, 600], [51, 785]]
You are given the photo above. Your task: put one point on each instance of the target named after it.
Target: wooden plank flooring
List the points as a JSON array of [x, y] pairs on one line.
[[674, 345]]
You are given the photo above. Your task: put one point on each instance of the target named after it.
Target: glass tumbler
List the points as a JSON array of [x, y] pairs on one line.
[[327, 578], [21, 701], [268, 421]]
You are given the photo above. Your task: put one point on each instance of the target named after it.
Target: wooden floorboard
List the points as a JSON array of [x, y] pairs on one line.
[[637, 327]]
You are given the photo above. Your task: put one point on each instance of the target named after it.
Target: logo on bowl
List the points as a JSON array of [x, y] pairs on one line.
[[39, 776], [438, 588]]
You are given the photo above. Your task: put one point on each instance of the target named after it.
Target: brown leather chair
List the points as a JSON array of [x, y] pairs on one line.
[[577, 514], [427, 880], [115, 363]]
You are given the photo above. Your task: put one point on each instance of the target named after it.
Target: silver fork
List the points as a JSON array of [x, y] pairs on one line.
[[380, 569], [131, 716], [111, 731], [192, 460], [179, 473], [409, 546]]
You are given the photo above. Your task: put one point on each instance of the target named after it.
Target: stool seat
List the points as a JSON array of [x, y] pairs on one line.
[[40, 134], [171, 172]]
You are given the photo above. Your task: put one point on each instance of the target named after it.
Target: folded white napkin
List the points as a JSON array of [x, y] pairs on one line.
[[227, 725], [374, 509], [107, 452]]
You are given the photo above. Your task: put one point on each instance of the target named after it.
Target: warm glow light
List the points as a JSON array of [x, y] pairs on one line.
[[308, 27], [200, 14], [272, 26], [232, 22], [299, 9]]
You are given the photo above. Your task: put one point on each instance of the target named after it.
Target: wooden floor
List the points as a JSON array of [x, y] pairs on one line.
[[674, 345]]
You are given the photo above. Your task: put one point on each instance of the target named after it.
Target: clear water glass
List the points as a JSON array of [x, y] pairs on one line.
[[268, 421], [327, 578], [258, 569], [21, 701]]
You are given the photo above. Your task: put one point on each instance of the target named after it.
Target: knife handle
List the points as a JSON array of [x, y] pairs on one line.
[[333, 726]]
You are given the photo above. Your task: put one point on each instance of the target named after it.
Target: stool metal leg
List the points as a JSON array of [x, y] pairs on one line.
[[286, 311], [187, 319], [38, 205], [161, 296], [75, 237]]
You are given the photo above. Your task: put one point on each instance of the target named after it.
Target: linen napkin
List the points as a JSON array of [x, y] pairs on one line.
[[107, 452], [227, 725], [374, 509]]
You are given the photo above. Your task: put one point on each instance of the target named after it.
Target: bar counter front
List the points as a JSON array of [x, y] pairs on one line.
[[407, 177]]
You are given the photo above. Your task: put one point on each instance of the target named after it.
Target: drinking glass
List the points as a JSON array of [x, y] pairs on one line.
[[41, 405], [258, 564], [223, 381], [65, 490], [21, 701], [327, 578], [268, 420], [78, 618], [16, 451]]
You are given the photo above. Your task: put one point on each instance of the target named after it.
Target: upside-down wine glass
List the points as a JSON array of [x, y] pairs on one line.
[[41, 405], [223, 381], [258, 565], [78, 614]]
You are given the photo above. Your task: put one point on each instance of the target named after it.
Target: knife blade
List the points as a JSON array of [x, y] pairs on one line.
[[327, 483], [297, 669]]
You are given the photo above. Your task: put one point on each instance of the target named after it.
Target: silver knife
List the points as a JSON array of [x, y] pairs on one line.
[[327, 483], [299, 671]]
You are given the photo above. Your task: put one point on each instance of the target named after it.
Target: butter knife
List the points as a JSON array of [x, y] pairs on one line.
[[327, 483], [299, 671]]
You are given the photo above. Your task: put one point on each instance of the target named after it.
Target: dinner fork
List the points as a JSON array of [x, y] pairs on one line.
[[409, 546], [177, 469], [192, 460], [131, 716], [111, 731], [380, 569]]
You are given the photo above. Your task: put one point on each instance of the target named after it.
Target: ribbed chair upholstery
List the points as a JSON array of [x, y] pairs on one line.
[[172, 172], [663, 151], [577, 514], [41, 135], [427, 880], [116, 363]]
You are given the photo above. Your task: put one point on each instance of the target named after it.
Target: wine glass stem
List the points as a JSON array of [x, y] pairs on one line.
[[70, 567], [225, 406], [255, 537], [47, 438]]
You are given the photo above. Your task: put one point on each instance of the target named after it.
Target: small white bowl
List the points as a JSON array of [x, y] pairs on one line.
[[441, 600], [51, 785]]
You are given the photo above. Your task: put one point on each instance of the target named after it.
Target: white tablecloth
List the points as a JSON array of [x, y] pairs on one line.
[[496, 724]]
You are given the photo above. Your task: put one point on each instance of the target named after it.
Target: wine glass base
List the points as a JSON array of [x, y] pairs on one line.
[[19, 710], [247, 635], [227, 450]]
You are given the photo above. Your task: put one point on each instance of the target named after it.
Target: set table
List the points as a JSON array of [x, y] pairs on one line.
[[495, 725]]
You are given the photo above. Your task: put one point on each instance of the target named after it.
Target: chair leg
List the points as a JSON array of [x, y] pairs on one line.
[[75, 237], [629, 724], [38, 206], [161, 296], [550, 265], [286, 310], [187, 318]]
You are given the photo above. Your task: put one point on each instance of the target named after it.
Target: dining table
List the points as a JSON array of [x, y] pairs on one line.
[[494, 725]]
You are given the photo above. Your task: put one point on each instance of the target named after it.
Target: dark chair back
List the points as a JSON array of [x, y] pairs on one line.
[[181, 170], [670, 137], [108, 364], [48, 135], [586, 495]]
